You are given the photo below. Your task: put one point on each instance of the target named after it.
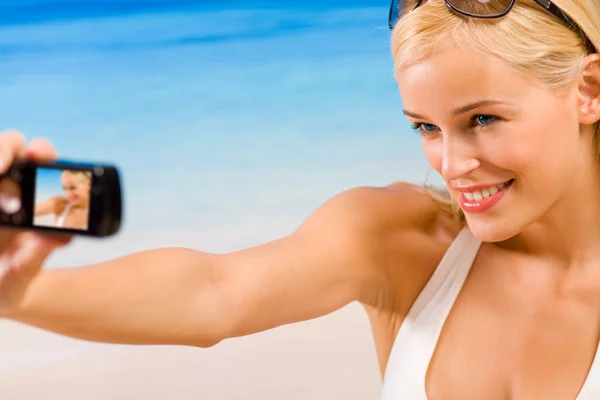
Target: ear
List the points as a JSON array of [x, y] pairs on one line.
[[588, 91]]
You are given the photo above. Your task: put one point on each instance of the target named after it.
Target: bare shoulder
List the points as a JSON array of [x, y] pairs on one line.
[[405, 233], [398, 232], [381, 211], [380, 207], [411, 251], [58, 204]]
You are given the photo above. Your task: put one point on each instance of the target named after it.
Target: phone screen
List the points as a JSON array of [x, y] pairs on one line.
[[62, 198]]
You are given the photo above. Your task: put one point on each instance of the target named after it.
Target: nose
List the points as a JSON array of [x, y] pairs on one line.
[[458, 157]]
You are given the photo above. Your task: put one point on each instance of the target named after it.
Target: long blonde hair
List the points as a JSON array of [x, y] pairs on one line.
[[529, 39]]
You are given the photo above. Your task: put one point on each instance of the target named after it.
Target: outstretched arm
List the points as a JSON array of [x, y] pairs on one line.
[[189, 297]]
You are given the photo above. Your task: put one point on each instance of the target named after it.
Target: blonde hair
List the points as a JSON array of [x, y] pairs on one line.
[[529, 39], [86, 174]]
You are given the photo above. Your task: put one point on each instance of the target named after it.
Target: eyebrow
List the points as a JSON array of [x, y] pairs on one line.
[[461, 110]]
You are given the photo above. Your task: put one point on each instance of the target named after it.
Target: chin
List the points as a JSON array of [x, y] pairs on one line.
[[492, 230]]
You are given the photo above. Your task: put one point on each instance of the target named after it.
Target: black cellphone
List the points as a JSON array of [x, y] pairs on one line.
[[65, 197]]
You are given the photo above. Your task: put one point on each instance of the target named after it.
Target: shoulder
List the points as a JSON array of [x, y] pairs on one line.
[[392, 209], [58, 204], [397, 234]]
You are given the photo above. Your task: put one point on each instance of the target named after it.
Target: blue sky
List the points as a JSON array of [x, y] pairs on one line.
[[49, 177], [230, 120], [48, 183]]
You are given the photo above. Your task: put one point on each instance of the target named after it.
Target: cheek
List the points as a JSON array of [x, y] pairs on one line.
[[542, 148], [515, 150], [526, 150]]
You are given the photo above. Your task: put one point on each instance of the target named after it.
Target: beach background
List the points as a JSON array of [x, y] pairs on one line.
[[230, 121], [48, 184]]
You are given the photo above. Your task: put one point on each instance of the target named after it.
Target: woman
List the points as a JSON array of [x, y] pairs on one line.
[[72, 210], [500, 300]]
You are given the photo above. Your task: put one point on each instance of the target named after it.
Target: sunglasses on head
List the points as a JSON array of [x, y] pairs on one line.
[[483, 9]]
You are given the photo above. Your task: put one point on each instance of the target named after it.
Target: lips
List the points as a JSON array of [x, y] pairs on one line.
[[477, 195], [480, 199]]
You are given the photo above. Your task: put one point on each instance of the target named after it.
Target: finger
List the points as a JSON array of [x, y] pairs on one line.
[[20, 265], [12, 145], [41, 150], [29, 256], [6, 236], [53, 240]]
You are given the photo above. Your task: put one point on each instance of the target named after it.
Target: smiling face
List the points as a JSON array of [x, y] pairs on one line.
[[76, 186], [508, 149]]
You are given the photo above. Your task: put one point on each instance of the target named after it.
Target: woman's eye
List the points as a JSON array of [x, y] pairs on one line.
[[476, 121], [429, 127], [424, 128], [484, 119]]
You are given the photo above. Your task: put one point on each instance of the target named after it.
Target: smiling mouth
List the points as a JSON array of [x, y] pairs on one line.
[[484, 193], [483, 199]]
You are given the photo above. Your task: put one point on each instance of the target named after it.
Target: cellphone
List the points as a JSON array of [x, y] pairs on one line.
[[66, 197]]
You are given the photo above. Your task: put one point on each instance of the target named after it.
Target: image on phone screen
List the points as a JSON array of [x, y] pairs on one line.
[[62, 198]]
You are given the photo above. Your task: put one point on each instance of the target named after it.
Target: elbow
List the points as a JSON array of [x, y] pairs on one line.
[[204, 335], [213, 313], [206, 338], [205, 342], [210, 314]]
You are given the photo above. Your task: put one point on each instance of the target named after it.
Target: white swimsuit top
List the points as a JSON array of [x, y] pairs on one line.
[[418, 336], [61, 219]]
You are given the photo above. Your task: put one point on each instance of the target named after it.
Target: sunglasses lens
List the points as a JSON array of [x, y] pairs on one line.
[[399, 8], [476, 8], [482, 8]]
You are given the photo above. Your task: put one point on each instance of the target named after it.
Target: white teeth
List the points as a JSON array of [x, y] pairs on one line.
[[477, 195]]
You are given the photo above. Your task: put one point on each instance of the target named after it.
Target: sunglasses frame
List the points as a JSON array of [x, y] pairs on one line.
[[548, 5]]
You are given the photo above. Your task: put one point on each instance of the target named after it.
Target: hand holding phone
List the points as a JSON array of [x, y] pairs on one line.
[[61, 197], [22, 252], [43, 204]]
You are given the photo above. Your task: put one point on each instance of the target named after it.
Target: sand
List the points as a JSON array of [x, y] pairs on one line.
[[328, 358]]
